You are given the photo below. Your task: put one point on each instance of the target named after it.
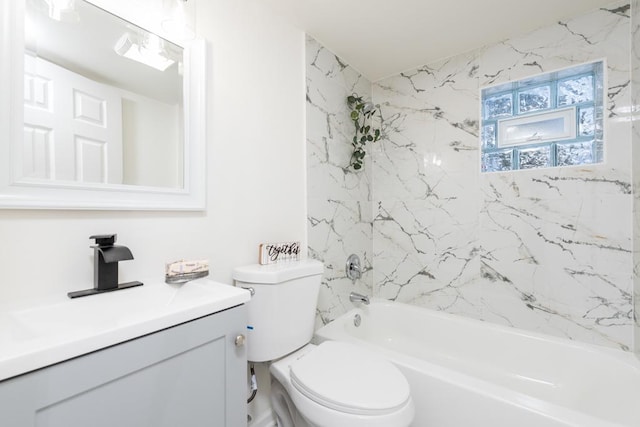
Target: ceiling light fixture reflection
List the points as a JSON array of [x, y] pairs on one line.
[[150, 53], [62, 10]]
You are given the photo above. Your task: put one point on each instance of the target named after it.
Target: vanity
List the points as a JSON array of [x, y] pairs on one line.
[[153, 356]]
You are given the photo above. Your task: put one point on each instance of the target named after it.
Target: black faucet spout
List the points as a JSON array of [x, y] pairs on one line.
[[106, 256], [111, 254]]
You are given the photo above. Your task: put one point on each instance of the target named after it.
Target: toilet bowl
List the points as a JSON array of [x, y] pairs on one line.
[[338, 384], [332, 384]]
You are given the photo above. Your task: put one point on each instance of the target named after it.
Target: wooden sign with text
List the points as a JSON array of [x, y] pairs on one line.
[[271, 253]]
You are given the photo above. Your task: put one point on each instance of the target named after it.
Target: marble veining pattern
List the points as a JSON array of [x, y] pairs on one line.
[[635, 95], [339, 215], [547, 249]]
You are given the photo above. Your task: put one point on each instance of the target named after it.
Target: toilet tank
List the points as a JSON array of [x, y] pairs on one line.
[[282, 310]]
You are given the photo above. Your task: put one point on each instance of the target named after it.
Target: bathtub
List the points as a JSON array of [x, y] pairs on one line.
[[468, 373]]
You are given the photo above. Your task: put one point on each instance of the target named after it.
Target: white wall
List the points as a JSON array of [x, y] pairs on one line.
[[152, 143], [256, 172]]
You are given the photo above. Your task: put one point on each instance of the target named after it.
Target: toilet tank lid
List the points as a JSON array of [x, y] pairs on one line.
[[279, 272]]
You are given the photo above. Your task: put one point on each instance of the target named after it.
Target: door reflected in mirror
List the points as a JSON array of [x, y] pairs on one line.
[[103, 101]]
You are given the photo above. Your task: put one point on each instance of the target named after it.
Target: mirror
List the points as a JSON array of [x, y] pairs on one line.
[[103, 114]]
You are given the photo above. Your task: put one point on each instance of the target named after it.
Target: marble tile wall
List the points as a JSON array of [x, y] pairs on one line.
[[635, 84], [548, 250], [339, 199]]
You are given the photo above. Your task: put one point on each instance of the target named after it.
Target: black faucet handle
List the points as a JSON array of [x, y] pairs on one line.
[[105, 239]]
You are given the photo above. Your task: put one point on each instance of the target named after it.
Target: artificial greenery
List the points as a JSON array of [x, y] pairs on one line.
[[361, 115]]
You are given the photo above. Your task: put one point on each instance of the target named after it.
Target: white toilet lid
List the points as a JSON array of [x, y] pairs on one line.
[[347, 378]]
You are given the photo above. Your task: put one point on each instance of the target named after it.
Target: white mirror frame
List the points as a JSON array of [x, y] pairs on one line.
[[17, 194]]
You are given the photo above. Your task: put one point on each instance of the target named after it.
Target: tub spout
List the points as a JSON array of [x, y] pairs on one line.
[[356, 297]]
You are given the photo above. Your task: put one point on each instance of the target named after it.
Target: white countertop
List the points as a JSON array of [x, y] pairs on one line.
[[41, 335]]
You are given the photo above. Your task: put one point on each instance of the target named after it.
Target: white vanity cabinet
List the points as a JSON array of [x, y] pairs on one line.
[[189, 375]]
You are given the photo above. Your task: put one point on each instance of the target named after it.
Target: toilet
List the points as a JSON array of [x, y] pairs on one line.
[[332, 384]]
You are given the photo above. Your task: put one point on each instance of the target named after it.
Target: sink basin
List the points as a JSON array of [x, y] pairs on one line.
[[106, 310], [34, 337]]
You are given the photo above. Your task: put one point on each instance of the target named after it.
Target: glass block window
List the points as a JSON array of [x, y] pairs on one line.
[[498, 106], [489, 135], [550, 120], [575, 90], [538, 157], [534, 99], [498, 160], [574, 153]]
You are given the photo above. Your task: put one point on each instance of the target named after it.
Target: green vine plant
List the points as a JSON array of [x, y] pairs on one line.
[[361, 115]]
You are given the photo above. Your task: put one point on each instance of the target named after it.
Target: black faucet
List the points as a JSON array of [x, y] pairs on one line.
[[106, 256]]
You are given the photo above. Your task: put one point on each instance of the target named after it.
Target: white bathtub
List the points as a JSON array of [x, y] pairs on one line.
[[468, 373]]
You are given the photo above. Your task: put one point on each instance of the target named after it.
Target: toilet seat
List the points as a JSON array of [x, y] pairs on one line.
[[351, 380]]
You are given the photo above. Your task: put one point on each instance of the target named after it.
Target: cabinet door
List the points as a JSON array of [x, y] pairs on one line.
[[190, 375]]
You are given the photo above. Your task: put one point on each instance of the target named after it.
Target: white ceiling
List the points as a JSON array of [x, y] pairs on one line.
[[384, 37]]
